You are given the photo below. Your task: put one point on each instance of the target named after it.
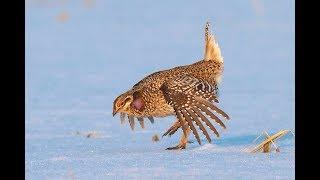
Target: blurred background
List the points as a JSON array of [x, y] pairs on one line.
[[81, 54]]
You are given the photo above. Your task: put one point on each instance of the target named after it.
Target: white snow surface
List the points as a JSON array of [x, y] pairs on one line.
[[75, 69]]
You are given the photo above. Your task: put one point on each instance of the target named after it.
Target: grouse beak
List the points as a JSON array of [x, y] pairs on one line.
[[114, 112]]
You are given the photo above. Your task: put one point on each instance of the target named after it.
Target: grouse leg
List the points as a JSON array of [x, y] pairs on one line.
[[183, 141]]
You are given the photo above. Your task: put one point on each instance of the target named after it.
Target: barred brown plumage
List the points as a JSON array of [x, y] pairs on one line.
[[188, 92]]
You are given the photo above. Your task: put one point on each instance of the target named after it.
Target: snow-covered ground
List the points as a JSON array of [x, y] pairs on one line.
[[81, 54]]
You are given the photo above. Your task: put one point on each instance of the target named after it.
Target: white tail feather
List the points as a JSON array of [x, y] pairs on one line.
[[212, 49]]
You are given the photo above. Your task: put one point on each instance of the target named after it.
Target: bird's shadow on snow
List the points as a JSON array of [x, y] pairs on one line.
[[241, 144]]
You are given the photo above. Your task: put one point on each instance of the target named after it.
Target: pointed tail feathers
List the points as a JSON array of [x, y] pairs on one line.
[[212, 49]]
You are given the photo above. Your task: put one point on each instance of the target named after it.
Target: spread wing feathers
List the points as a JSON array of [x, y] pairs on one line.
[[212, 49], [141, 122], [151, 119], [190, 98], [122, 118], [173, 128], [194, 113], [131, 120]]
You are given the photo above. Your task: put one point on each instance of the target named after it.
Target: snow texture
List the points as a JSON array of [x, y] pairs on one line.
[[81, 54]]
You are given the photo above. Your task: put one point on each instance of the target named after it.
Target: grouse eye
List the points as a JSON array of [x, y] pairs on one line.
[[122, 103]]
